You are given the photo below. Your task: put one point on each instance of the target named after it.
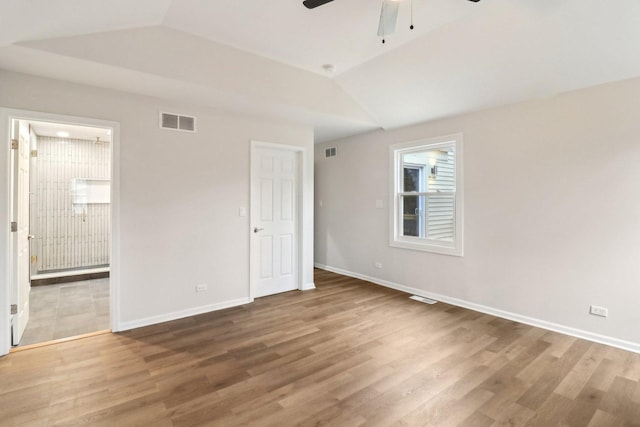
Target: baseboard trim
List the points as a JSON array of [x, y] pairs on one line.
[[69, 279], [147, 321], [555, 327], [308, 286], [71, 272]]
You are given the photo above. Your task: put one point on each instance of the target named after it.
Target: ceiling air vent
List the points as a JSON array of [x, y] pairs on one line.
[[330, 152], [177, 122]]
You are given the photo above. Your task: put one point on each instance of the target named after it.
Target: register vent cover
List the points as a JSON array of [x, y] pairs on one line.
[[423, 299], [330, 152], [177, 122]]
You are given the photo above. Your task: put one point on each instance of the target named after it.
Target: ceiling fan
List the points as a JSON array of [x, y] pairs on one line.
[[388, 14]]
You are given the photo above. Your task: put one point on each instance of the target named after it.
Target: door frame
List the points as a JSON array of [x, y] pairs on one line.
[[300, 153], [6, 116]]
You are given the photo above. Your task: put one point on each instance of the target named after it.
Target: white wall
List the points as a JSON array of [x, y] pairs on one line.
[[552, 212], [179, 195]]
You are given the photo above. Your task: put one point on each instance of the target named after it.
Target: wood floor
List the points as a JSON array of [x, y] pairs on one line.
[[346, 354]]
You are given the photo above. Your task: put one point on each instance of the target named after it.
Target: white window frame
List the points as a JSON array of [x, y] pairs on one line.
[[396, 239]]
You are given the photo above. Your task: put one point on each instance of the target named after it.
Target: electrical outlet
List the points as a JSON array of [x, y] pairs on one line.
[[378, 264], [379, 204], [201, 287], [599, 311]]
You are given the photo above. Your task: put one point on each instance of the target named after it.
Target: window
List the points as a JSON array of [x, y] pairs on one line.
[[427, 195]]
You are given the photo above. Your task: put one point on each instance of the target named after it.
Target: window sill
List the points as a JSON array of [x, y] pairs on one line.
[[429, 246]]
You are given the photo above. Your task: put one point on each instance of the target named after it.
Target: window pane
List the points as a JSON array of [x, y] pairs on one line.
[[431, 217], [412, 177], [440, 212], [437, 167], [412, 208]]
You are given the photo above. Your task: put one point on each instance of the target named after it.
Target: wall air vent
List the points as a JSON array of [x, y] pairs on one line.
[[177, 122], [330, 152]]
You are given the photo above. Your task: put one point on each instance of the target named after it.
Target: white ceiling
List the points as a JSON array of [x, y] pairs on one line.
[[342, 33], [265, 58]]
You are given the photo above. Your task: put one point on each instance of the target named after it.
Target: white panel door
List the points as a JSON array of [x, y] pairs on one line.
[[274, 233], [21, 276]]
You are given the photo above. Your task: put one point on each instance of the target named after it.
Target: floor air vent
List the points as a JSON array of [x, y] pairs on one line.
[[177, 122], [423, 299]]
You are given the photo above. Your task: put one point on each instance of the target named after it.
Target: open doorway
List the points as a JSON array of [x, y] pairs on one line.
[[61, 249]]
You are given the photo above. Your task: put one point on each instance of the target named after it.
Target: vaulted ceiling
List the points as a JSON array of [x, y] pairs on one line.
[[265, 58]]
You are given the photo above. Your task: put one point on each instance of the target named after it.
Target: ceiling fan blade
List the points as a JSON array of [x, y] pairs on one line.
[[310, 4], [388, 17]]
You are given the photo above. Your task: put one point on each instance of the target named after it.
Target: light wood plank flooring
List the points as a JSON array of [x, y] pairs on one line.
[[346, 354]]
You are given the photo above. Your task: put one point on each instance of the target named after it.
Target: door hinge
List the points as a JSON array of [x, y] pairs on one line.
[[14, 308], [14, 144], [14, 226], [34, 259], [34, 153]]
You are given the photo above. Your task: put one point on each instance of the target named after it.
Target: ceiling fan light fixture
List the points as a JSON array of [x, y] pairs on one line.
[[312, 4], [388, 17]]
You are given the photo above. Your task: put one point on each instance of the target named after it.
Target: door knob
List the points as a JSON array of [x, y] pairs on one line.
[[256, 229], [31, 237]]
